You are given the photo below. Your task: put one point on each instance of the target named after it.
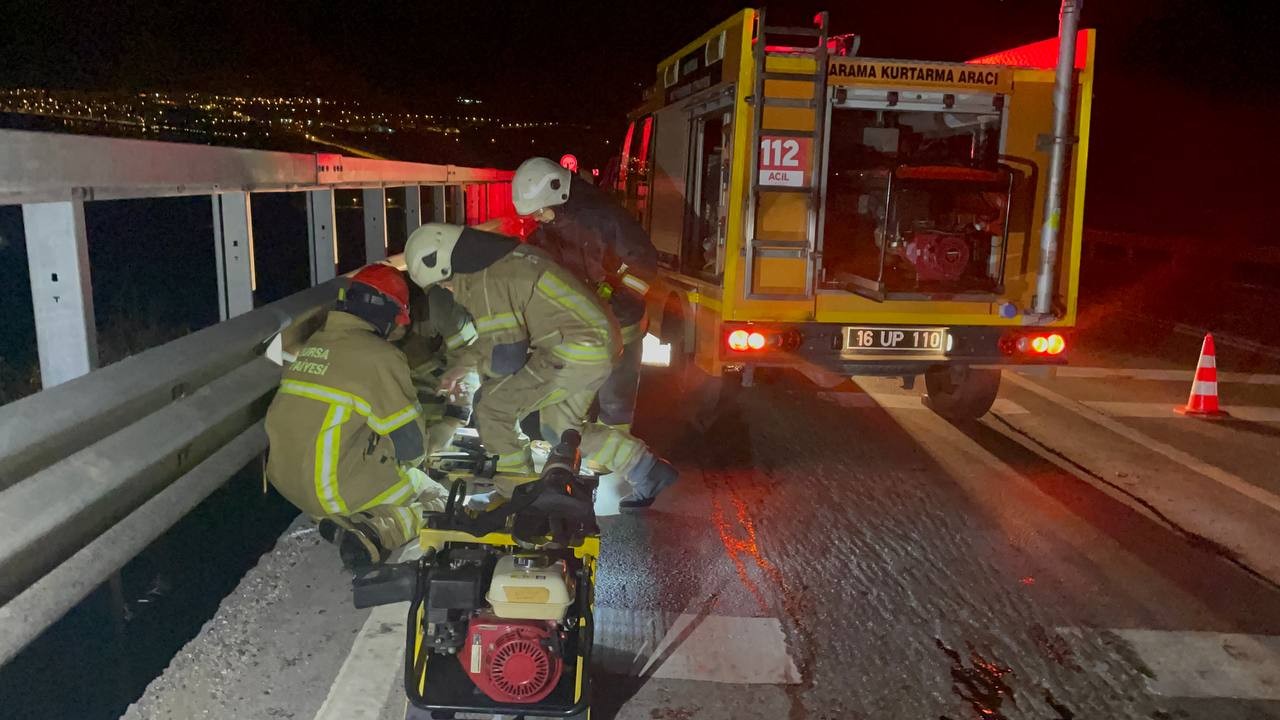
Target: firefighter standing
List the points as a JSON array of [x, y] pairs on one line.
[[601, 245], [544, 343], [345, 429]]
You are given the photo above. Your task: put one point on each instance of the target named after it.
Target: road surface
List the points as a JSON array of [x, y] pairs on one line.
[[1083, 552]]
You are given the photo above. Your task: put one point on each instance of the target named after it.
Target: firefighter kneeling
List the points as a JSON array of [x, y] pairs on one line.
[[346, 430], [543, 344]]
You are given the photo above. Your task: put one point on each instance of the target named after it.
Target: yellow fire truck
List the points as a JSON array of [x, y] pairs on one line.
[[847, 216]]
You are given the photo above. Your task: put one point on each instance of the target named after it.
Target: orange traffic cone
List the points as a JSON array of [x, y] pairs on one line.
[[1203, 402]]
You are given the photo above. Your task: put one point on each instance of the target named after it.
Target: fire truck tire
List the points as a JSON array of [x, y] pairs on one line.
[[961, 393], [699, 394], [683, 373]]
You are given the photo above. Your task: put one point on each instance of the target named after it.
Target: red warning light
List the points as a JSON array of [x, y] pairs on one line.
[[569, 162], [747, 340], [1042, 54], [1052, 344]]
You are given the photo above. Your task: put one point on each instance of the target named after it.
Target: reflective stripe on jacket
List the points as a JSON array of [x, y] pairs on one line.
[[334, 425], [595, 239], [524, 304]]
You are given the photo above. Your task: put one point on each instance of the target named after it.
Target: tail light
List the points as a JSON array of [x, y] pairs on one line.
[[1037, 344], [752, 339], [740, 340]]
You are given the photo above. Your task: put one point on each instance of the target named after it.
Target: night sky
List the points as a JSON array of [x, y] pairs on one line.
[[567, 58], [1186, 99]]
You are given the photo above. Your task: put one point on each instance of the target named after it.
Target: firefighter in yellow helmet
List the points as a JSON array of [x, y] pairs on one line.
[[544, 343], [345, 428], [595, 239]]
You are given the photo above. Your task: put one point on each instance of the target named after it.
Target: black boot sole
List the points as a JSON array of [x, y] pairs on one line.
[[328, 530]]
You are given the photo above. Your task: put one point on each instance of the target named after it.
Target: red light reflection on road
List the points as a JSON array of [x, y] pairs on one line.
[[741, 548]]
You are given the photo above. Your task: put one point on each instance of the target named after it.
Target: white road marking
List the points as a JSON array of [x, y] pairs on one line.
[[1248, 378], [711, 648], [371, 668], [1160, 374], [1217, 474], [1209, 665], [894, 401], [1165, 410]]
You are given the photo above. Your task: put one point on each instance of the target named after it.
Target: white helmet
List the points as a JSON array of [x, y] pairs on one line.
[[539, 183], [428, 254]]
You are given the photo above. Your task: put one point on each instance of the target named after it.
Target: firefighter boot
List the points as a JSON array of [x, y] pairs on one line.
[[357, 542], [328, 530], [645, 489]]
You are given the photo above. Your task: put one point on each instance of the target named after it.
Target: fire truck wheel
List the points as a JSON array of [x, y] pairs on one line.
[[679, 375], [700, 395], [961, 393]]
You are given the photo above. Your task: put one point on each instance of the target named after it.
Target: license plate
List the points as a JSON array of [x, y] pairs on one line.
[[930, 341]]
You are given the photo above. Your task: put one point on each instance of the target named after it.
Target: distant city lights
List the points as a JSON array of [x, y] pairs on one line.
[[214, 116]]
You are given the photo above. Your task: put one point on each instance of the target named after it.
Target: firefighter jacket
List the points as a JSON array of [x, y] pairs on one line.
[[344, 420], [525, 305], [598, 242], [438, 326]]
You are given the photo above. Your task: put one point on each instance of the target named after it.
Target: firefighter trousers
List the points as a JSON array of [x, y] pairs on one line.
[[617, 397], [562, 394], [397, 522]]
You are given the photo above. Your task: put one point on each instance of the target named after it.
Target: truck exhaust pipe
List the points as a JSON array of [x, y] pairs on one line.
[[1051, 229]]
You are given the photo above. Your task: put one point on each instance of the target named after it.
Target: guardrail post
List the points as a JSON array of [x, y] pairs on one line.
[[61, 290], [233, 249], [457, 205], [437, 203], [322, 231], [412, 209], [375, 224]]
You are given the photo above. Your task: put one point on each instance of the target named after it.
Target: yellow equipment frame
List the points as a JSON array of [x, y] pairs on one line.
[[435, 540]]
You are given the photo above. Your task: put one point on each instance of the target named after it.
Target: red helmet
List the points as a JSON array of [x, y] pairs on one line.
[[389, 282]]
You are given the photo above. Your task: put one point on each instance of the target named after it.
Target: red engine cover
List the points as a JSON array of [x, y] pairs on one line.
[[511, 660], [937, 257]]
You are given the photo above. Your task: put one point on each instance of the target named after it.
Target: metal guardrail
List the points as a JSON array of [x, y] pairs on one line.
[[95, 469], [97, 466], [1234, 265], [1135, 246], [54, 176], [47, 167]]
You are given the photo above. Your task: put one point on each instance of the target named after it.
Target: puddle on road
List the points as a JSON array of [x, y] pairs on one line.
[[1055, 647], [983, 686], [980, 684]]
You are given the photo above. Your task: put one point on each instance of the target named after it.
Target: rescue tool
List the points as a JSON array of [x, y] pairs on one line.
[[501, 602]]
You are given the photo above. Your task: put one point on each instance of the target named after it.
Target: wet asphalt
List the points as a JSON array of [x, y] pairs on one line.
[[919, 569], [847, 554]]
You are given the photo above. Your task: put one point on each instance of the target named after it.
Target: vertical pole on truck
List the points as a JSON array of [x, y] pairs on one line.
[[1051, 229]]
